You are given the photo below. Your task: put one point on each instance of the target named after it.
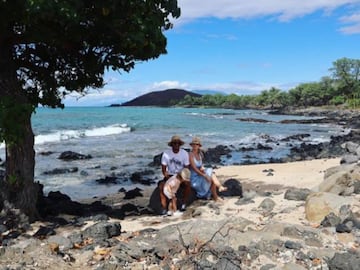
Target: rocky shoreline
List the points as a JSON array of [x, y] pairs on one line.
[[261, 226]]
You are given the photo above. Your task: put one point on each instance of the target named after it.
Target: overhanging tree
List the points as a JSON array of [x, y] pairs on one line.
[[49, 49]]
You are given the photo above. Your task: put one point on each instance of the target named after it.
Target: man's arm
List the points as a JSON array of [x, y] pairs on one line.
[[186, 159], [164, 171], [164, 161]]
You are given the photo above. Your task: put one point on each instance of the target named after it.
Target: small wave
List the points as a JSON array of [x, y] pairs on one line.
[[109, 130], [257, 138], [216, 116], [318, 140], [196, 114], [64, 135]]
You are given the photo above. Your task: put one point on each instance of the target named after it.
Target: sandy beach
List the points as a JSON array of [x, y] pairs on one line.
[[301, 174], [274, 178]]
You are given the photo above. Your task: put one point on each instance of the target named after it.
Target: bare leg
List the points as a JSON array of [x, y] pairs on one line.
[[217, 183], [214, 193], [173, 205], [187, 191], [163, 199]]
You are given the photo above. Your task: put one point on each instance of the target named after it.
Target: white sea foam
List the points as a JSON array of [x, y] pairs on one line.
[[250, 139], [197, 114], [64, 135], [206, 115], [109, 130]]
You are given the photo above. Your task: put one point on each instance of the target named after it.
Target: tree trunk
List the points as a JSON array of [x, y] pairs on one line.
[[18, 187], [20, 162]]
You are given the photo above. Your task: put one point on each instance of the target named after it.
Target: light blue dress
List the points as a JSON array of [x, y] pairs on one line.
[[199, 183]]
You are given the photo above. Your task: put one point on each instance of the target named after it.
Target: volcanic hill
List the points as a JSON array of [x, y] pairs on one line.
[[163, 98]]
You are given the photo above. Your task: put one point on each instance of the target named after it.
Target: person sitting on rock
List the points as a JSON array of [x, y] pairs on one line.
[[168, 192], [173, 160], [203, 180]]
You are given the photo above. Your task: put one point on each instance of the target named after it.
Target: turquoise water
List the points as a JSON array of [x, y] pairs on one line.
[[124, 140]]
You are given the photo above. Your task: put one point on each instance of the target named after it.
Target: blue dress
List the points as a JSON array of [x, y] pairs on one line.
[[199, 183]]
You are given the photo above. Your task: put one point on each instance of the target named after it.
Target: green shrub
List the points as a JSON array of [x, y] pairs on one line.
[[337, 100]]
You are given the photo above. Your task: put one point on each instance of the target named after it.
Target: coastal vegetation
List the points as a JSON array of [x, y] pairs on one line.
[[341, 87], [50, 49]]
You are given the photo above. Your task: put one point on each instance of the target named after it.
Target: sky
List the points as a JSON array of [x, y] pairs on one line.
[[241, 47]]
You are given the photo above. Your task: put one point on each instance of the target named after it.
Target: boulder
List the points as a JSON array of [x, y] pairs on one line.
[[155, 204], [234, 188], [340, 179], [297, 194], [349, 159], [320, 204], [69, 155], [102, 230], [350, 147], [344, 261]]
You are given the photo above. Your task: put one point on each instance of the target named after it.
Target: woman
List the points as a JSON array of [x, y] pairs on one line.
[[204, 181]]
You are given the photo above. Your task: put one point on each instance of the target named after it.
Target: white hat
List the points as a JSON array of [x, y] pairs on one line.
[[196, 140], [185, 174]]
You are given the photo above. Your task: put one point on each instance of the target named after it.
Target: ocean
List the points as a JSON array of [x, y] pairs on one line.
[[124, 140]]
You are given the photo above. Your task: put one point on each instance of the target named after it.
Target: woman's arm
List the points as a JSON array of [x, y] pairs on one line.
[[196, 169]]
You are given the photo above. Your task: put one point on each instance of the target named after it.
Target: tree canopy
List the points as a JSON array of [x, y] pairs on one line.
[[56, 47], [49, 49]]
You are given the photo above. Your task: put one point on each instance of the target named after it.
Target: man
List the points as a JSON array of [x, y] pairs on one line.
[[175, 159], [172, 162]]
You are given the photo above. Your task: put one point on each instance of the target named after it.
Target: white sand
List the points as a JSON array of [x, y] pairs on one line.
[[302, 174]]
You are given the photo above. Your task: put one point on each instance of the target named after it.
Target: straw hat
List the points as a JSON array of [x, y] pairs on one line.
[[174, 139], [196, 140], [185, 174]]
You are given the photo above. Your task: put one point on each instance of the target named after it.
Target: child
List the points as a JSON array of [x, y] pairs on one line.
[[168, 192]]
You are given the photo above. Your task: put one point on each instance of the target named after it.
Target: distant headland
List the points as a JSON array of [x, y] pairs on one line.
[[163, 98]]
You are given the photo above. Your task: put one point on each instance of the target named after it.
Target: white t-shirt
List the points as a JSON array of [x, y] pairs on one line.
[[175, 162]]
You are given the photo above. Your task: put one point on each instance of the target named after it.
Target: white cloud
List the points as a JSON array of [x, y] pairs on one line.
[[239, 87], [353, 22], [167, 84], [224, 36], [242, 87], [353, 29], [282, 10], [94, 96], [355, 17]]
